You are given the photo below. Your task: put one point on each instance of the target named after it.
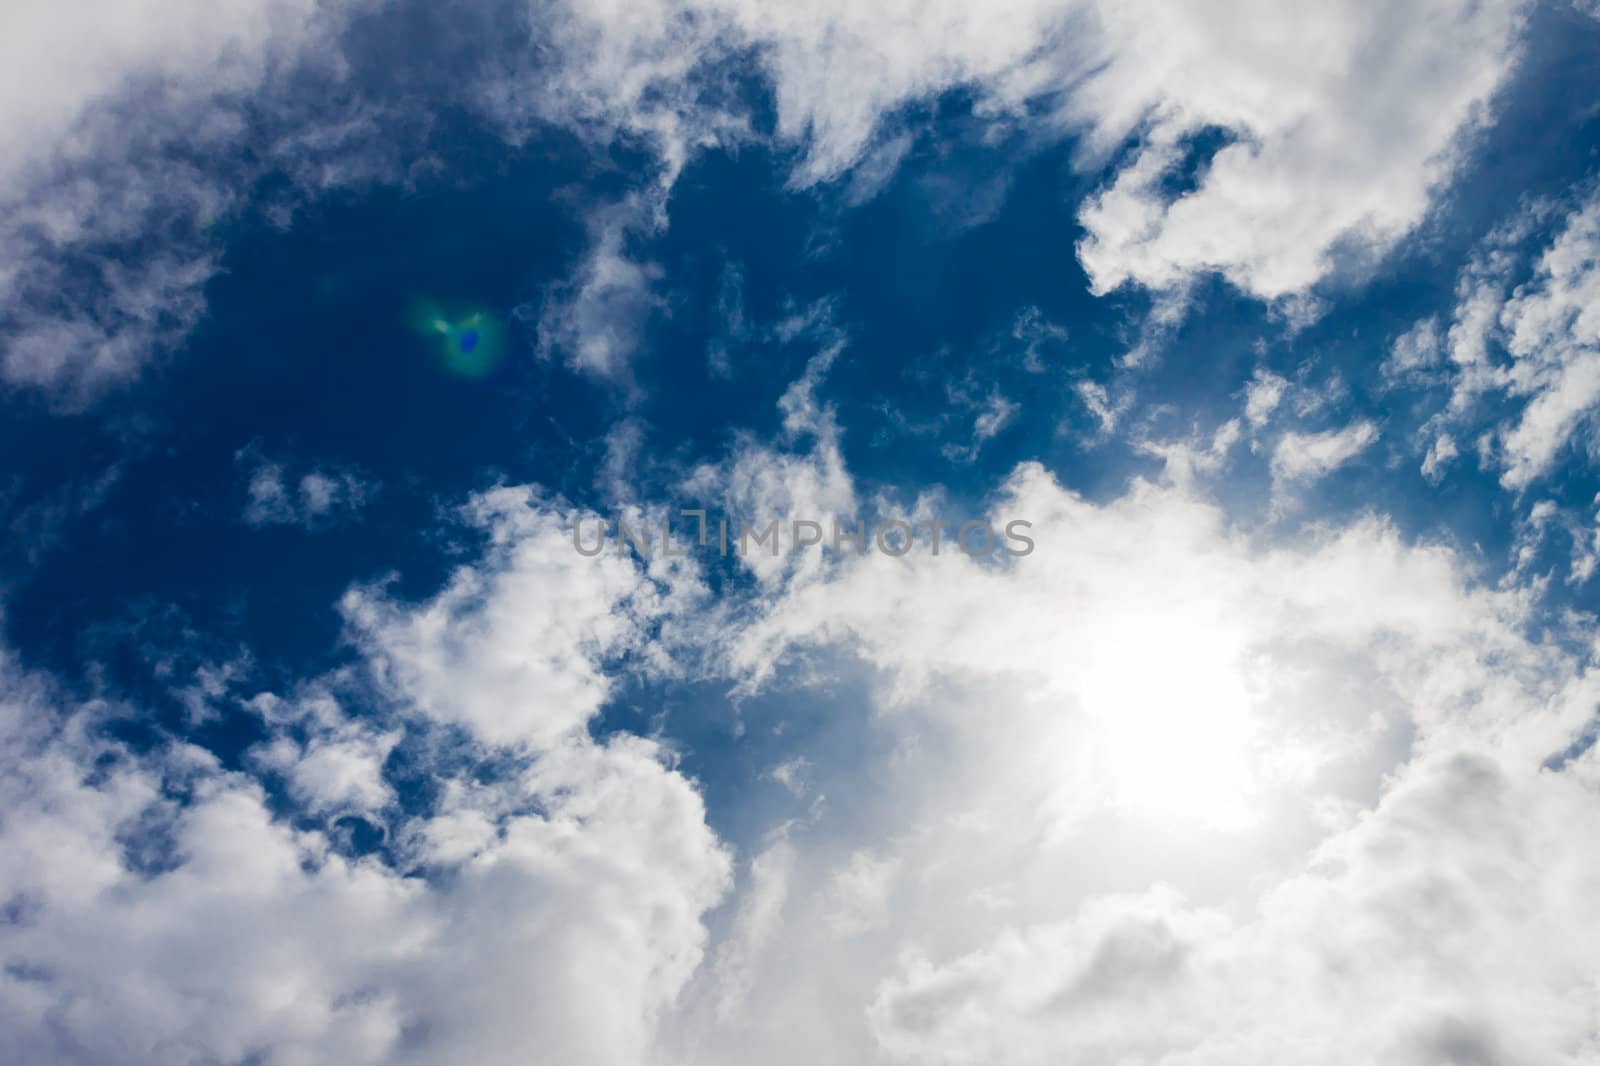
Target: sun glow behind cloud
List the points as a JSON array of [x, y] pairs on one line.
[[1192, 783], [1172, 711]]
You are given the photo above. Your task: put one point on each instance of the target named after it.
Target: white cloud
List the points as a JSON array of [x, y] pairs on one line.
[[993, 414], [59, 61], [1416, 352], [1152, 790], [1155, 793], [1357, 108], [1547, 521], [1299, 458], [1529, 334], [838, 69], [108, 335], [550, 896], [333, 764], [1361, 108], [1262, 397], [1107, 411], [1183, 461], [1552, 332], [596, 318], [757, 920], [1451, 920], [1441, 453], [315, 499], [93, 103], [758, 485], [544, 622]]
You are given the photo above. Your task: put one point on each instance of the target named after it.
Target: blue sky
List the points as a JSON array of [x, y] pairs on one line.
[[323, 324]]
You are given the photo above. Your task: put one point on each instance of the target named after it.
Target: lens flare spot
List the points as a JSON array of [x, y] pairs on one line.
[[471, 343]]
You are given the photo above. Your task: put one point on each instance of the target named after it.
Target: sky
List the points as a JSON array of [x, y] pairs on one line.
[[1213, 389]]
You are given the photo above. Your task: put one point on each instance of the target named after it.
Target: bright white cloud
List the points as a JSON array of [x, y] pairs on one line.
[[1359, 108], [337, 768], [1154, 793], [1263, 395], [1344, 119], [1552, 333], [1441, 453], [58, 61], [1152, 790], [545, 895], [544, 621], [1299, 458], [1527, 333], [95, 100], [1452, 920]]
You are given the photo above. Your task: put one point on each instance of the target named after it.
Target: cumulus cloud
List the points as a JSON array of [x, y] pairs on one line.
[[548, 892], [1424, 920], [159, 913], [1416, 352], [332, 763], [1155, 793], [1357, 108], [1441, 453], [546, 621], [1153, 790]]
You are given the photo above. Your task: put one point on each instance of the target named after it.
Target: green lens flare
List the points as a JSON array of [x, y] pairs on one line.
[[470, 344]]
